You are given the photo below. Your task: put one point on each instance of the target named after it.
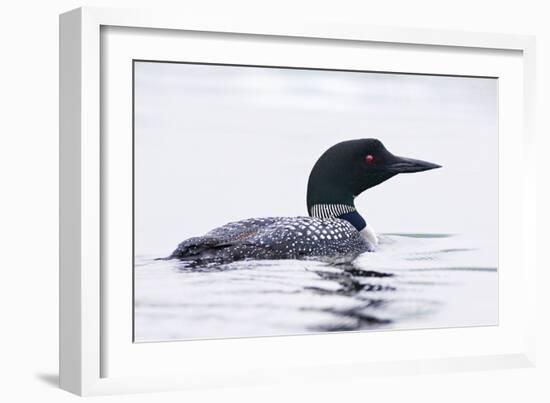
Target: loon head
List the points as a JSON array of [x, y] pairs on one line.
[[349, 168]]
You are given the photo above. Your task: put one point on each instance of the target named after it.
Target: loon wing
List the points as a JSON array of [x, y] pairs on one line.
[[226, 236], [275, 238]]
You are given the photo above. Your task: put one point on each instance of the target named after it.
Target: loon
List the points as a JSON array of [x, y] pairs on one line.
[[333, 232]]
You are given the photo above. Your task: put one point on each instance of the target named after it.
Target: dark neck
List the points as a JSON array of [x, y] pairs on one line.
[[320, 192], [333, 184]]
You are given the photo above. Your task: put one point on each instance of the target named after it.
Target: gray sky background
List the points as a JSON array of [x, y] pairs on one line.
[[215, 144]]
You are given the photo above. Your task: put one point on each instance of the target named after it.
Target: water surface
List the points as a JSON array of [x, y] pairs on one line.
[[412, 281]]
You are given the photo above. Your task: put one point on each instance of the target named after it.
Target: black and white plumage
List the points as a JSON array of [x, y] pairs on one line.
[[330, 210], [330, 239], [334, 230]]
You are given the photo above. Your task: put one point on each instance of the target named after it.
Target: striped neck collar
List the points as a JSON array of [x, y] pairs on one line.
[[342, 211], [330, 210]]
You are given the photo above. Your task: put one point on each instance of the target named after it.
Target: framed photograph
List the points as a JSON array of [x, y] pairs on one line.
[[246, 202]]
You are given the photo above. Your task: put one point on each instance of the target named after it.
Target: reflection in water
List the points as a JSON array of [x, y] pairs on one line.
[[350, 285], [412, 281]]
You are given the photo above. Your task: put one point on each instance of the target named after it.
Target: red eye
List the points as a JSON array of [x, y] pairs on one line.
[[369, 159]]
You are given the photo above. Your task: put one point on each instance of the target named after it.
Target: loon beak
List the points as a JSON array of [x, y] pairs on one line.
[[406, 165]]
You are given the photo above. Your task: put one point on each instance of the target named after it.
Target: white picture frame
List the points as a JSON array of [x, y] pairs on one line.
[[88, 340]]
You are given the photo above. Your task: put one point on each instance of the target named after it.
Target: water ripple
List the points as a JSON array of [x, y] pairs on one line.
[[412, 281]]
